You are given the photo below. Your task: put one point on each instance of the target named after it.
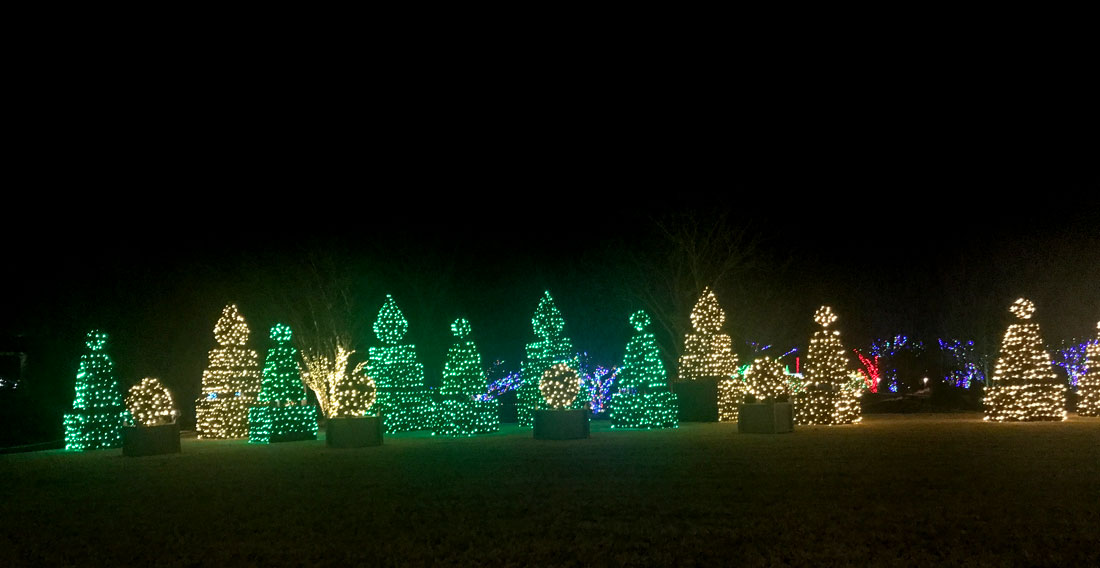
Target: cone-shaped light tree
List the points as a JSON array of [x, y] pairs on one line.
[[282, 411], [644, 399], [230, 382], [402, 400], [463, 379], [1024, 385], [551, 347], [826, 397], [98, 415], [708, 353], [1088, 386]]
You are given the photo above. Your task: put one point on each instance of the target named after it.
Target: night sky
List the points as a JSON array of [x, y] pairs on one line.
[[933, 245]]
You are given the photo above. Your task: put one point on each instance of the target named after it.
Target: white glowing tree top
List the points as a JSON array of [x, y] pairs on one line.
[[1022, 308]]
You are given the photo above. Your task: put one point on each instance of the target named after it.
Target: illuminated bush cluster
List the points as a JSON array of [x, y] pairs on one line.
[[766, 380], [150, 403], [643, 400], [1024, 386], [97, 416], [550, 348], [282, 410], [230, 382], [460, 413], [830, 394], [1088, 386], [403, 400]]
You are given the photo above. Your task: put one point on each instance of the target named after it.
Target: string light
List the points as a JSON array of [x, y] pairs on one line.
[[282, 411], [505, 382], [1024, 387], [98, 415], [766, 380], [461, 413], [968, 364], [599, 383], [829, 395], [1074, 360], [403, 399], [230, 382], [644, 399], [1088, 386], [707, 353], [559, 386], [872, 373], [342, 390], [551, 348], [150, 403]]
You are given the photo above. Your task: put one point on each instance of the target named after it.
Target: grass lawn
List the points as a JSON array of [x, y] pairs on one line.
[[921, 490]]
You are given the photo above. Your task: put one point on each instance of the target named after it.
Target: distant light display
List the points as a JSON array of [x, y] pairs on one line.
[[871, 373], [503, 383], [150, 403], [1074, 360], [460, 412], [1024, 386], [599, 383], [402, 399], [707, 352], [551, 347], [827, 397], [967, 369], [98, 415], [281, 407], [644, 399], [1088, 386], [885, 350], [230, 382]]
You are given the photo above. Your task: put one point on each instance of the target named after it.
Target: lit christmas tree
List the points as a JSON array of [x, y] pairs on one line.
[[98, 414], [402, 400], [551, 348], [707, 353], [643, 400], [230, 382], [1088, 386], [150, 403], [1024, 384], [460, 413], [282, 411], [827, 396]]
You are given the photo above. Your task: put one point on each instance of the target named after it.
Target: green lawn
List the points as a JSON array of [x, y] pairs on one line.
[[922, 490]]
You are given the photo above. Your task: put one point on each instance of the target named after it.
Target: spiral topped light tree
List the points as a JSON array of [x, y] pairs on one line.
[[552, 347], [230, 382], [282, 412], [708, 360], [644, 399], [1024, 385], [403, 400], [460, 414], [97, 416], [1088, 386], [827, 396]]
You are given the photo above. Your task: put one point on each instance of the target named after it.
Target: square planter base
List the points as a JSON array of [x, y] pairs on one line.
[[140, 441], [698, 400], [762, 418], [357, 432], [561, 424]]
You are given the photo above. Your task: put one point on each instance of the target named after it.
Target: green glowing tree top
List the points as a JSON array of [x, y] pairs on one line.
[[547, 321], [642, 368], [462, 373], [282, 380], [391, 325]]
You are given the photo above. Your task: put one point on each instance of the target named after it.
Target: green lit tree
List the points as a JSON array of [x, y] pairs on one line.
[[551, 347], [644, 399], [403, 400], [460, 413], [282, 411], [98, 414]]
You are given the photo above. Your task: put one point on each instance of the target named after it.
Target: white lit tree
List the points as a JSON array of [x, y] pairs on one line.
[[826, 397], [1024, 387], [1088, 386], [230, 382]]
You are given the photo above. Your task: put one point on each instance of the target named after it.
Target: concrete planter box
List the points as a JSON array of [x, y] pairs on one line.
[[357, 432], [140, 441], [698, 400], [765, 418], [561, 424]]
